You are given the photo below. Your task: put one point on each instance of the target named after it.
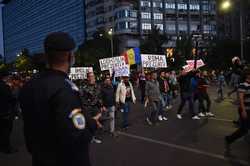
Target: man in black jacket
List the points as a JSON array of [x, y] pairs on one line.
[[186, 93]]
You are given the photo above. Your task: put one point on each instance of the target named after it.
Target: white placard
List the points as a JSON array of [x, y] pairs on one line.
[[111, 63], [199, 63], [122, 71], [153, 61], [190, 65], [79, 73]]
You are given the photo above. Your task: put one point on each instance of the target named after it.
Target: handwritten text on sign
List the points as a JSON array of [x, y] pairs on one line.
[[154, 61], [79, 73], [122, 71], [111, 63]]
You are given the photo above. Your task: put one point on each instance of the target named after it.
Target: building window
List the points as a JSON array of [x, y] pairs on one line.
[[193, 28], [145, 4], [159, 26], [194, 7], [145, 15], [182, 6], [170, 5], [122, 25], [170, 27], [158, 16], [133, 25], [157, 4], [183, 27], [146, 26], [133, 14]]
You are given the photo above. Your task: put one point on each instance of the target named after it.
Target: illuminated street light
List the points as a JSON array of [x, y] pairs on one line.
[[226, 5], [110, 32]]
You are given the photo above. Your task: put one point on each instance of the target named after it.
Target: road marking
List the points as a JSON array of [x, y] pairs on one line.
[[242, 162], [219, 119]]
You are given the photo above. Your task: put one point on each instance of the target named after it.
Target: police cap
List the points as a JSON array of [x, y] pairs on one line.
[[59, 41]]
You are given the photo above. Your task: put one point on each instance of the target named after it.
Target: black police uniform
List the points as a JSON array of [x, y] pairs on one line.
[[7, 100], [56, 128]]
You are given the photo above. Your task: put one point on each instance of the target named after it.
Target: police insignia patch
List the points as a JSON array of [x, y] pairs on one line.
[[79, 121]]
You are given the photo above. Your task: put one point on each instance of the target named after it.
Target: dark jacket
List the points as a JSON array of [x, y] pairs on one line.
[[108, 95], [49, 103], [185, 83]]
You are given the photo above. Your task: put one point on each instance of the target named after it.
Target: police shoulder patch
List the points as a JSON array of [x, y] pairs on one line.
[[73, 86], [78, 119]]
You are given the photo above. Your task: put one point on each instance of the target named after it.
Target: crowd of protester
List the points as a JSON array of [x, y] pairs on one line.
[[62, 116], [158, 93]]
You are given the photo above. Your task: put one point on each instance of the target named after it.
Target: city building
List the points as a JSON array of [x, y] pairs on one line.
[[26, 23], [134, 19]]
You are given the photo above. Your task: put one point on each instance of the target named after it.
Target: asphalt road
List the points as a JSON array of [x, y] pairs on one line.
[[173, 142]]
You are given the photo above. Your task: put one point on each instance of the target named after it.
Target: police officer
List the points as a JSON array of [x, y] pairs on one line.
[[7, 100], [56, 127]]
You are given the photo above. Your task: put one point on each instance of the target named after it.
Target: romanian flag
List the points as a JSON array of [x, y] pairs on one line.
[[132, 56]]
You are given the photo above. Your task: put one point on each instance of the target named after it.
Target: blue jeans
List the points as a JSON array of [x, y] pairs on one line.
[[165, 101], [126, 110]]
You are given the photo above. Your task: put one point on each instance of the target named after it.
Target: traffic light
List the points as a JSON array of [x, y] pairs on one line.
[[194, 51], [170, 52]]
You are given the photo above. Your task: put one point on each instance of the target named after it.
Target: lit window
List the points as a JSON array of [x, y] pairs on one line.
[[157, 4], [159, 26], [146, 26], [145, 15], [183, 27], [194, 7], [145, 4], [182, 6], [170, 27], [170, 6], [158, 16]]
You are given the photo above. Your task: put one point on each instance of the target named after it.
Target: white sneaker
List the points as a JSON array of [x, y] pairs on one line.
[[201, 114], [209, 114], [97, 141], [164, 118], [179, 116], [196, 117], [160, 118]]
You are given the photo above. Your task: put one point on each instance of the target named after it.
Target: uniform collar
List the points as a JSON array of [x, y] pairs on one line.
[[57, 72]]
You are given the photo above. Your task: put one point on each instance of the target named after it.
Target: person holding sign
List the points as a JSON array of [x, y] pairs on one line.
[[186, 94], [125, 96]]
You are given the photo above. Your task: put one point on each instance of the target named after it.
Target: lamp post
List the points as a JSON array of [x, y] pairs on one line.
[[110, 32], [226, 5]]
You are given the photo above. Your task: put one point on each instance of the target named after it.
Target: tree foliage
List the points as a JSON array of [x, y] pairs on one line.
[[152, 44], [23, 61], [89, 53]]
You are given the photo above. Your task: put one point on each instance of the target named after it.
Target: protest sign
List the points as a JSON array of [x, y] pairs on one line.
[[111, 63], [79, 72], [190, 65], [122, 71], [154, 61], [199, 62]]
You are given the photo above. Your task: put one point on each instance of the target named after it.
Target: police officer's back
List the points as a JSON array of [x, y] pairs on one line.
[[56, 128]]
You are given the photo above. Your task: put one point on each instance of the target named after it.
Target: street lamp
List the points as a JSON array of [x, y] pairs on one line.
[[110, 32], [226, 5]]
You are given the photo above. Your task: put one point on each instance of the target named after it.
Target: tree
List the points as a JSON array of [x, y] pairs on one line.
[[153, 42], [183, 51], [23, 61], [89, 53], [221, 52]]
